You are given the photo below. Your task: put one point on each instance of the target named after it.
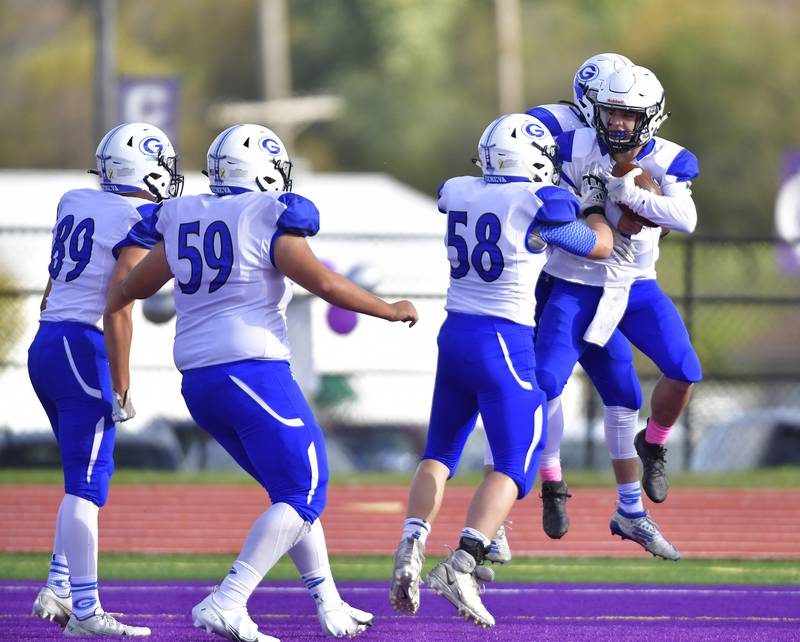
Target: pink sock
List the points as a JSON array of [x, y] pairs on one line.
[[551, 473], [656, 433]]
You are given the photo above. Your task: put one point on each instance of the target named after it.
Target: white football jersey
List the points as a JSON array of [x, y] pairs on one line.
[[558, 117], [91, 227], [491, 270], [671, 166], [230, 299]]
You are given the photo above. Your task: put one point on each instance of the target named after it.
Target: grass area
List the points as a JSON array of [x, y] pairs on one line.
[[644, 570], [782, 477]]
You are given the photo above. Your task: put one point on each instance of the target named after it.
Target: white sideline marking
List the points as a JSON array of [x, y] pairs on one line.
[[510, 591]]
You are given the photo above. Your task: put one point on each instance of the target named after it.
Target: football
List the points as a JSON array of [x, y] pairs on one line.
[[644, 180]]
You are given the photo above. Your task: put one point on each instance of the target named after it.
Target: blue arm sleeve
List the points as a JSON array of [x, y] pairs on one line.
[[301, 216], [144, 233], [573, 237]]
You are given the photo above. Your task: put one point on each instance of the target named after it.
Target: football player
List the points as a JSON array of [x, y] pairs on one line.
[[99, 235], [559, 118], [593, 308], [232, 254], [499, 227]]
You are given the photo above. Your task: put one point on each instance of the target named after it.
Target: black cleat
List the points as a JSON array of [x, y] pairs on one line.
[[654, 475], [555, 520]]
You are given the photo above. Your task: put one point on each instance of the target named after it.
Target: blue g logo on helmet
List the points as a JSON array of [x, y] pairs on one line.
[[588, 72], [152, 146], [270, 145], [534, 130]]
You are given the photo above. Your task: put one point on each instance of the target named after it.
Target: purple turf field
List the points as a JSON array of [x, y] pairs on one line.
[[541, 612]]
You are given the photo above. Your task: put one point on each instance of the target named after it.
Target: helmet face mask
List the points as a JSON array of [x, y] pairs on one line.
[[634, 91], [590, 77], [138, 157], [518, 147], [248, 158]]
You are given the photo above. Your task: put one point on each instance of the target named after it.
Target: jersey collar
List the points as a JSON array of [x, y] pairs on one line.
[[493, 178]]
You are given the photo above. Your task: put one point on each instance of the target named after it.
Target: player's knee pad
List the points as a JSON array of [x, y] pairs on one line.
[[94, 490], [550, 382], [685, 367], [621, 425], [308, 504]]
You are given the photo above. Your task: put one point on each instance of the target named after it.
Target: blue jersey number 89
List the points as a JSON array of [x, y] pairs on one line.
[[487, 233], [216, 253], [79, 248]]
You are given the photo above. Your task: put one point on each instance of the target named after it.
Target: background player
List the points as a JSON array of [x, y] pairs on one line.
[[232, 254], [588, 300], [498, 229], [98, 237]]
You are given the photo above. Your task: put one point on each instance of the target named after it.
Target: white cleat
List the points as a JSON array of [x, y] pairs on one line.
[[645, 532], [102, 624], [499, 549], [49, 606], [408, 561], [456, 579], [232, 624], [343, 620]]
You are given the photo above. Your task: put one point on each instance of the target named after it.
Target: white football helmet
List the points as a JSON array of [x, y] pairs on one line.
[[590, 76], [518, 146], [137, 156], [631, 89], [248, 158]]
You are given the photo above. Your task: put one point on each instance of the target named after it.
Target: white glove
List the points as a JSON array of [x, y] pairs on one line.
[[593, 190], [623, 247], [622, 189], [122, 408]]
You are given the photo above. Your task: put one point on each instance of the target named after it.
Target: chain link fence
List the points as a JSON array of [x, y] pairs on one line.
[[740, 299]]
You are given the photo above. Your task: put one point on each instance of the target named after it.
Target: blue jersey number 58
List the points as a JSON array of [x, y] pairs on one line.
[[487, 234]]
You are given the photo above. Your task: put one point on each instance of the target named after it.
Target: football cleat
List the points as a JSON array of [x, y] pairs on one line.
[[456, 579], [102, 624], [654, 459], [644, 531], [499, 549], [232, 624], [408, 561], [343, 620], [555, 520], [50, 606]]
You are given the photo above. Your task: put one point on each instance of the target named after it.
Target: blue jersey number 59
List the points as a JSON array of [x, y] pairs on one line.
[[216, 252]]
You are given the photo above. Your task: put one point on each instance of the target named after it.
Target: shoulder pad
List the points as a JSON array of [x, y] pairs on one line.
[[558, 205], [300, 217]]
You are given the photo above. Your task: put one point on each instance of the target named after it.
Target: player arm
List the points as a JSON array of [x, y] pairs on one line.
[[675, 210], [594, 239], [46, 294], [118, 325], [295, 259]]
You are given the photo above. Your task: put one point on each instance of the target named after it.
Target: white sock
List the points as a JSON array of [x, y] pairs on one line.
[[85, 598], [620, 425], [58, 577], [416, 528], [77, 525], [629, 498], [274, 532], [472, 533], [310, 557], [551, 455]]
